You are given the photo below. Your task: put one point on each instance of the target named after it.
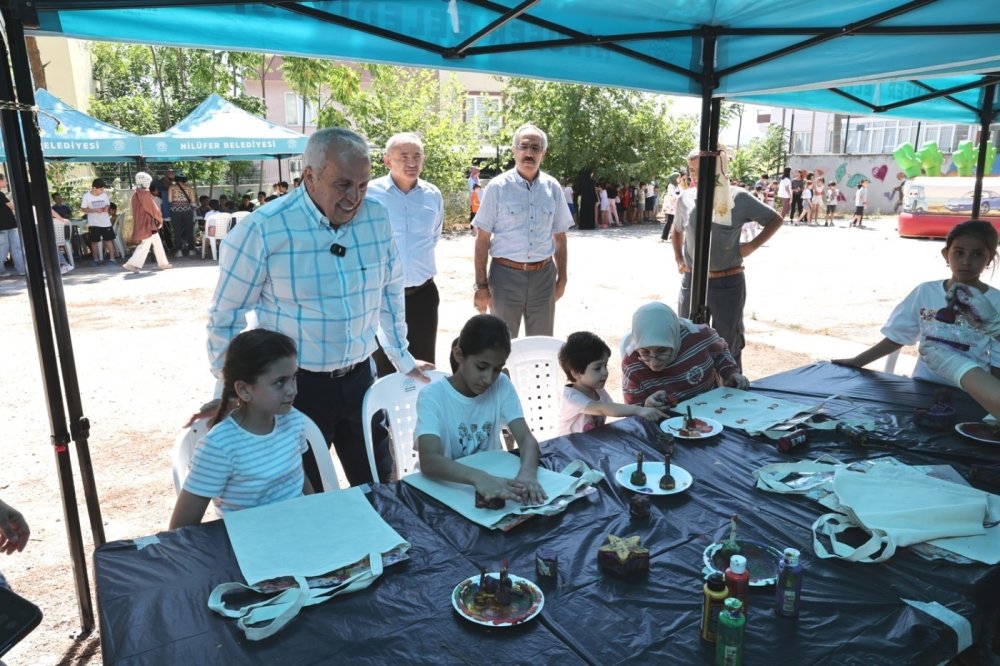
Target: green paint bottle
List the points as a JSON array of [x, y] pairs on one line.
[[729, 644]]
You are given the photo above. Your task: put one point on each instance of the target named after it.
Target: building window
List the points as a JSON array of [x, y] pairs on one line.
[[294, 109], [483, 111], [802, 143]]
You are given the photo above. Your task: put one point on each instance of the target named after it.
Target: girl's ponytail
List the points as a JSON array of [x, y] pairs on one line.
[[228, 395]]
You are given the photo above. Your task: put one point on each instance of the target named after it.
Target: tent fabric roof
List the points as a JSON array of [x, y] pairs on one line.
[[765, 49], [217, 129], [84, 139]]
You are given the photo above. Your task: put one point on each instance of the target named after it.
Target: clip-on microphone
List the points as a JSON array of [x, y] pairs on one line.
[[338, 250]]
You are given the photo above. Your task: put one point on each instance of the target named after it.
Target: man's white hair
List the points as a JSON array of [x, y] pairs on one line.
[[323, 142], [528, 127], [404, 137]]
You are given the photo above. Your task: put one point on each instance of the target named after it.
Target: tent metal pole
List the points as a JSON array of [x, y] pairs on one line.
[[708, 145], [15, 126], [986, 119]]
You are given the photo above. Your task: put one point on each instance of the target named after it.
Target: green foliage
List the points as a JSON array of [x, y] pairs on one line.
[[405, 100], [764, 154], [619, 134]]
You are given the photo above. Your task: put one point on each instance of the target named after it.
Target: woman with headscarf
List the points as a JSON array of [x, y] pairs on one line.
[[669, 359], [147, 219]]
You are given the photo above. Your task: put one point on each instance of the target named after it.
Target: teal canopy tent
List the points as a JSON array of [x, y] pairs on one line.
[[73, 136], [220, 130], [818, 55]]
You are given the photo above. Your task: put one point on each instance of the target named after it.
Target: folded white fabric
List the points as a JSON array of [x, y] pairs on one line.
[[462, 498], [898, 507], [303, 537]]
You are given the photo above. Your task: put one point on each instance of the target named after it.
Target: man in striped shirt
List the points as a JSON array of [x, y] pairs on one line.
[[320, 266]]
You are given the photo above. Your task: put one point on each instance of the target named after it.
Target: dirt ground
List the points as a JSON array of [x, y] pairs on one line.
[[139, 344]]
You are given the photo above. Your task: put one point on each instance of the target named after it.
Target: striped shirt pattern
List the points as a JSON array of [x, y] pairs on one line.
[[702, 359], [240, 470], [277, 262]]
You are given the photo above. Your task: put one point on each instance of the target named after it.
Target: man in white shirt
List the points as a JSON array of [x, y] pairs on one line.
[[416, 212], [522, 223], [320, 266]]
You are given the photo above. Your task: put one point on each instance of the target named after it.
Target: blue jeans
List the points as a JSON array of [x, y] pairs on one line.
[[10, 241]]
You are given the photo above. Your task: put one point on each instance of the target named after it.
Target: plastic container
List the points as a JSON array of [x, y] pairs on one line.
[[715, 594], [788, 589], [738, 580], [729, 645]]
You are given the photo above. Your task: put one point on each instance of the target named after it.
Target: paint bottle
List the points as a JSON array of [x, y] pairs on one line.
[[715, 592], [855, 436], [788, 442], [788, 589], [738, 580], [729, 646]]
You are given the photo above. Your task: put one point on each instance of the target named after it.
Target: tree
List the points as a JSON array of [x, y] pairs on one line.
[[619, 134], [147, 89], [412, 100], [761, 155]]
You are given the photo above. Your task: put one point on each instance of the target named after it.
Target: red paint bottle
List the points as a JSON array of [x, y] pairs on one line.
[[738, 580]]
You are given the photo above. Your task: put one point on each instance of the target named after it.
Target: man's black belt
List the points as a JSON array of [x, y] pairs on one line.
[[409, 291], [334, 374]]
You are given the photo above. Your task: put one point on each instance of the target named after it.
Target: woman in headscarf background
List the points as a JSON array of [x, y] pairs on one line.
[[147, 219], [669, 359]]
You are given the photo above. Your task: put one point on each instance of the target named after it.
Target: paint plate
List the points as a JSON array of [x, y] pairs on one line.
[[762, 561], [527, 601], [979, 431], [654, 471], [675, 427]]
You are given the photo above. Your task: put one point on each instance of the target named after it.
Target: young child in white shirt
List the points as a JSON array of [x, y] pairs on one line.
[[585, 403], [463, 415]]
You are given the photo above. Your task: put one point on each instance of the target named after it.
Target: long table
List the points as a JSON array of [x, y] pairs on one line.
[[152, 601]]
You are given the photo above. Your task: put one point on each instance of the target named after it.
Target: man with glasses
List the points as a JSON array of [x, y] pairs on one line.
[[416, 212], [319, 265], [522, 223]]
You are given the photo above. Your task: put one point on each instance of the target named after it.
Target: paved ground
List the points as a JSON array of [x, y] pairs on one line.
[[139, 343]]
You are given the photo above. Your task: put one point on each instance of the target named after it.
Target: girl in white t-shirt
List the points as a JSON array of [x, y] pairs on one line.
[[463, 415], [253, 454], [807, 197], [585, 403], [969, 248]]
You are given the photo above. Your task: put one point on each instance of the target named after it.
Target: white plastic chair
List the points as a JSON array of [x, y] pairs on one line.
[[534, 369], [63, 243], [216, 228], [397, 395], [187, 441], [119, 243]]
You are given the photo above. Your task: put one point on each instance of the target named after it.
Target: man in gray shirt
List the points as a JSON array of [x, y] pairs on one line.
[[727, 289]]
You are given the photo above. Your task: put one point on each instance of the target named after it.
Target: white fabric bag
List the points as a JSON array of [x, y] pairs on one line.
[[897, 507], [308, 536], [559, 487]]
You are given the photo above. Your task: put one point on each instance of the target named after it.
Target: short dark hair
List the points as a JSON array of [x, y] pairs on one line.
[[580, 350], [98, 182]]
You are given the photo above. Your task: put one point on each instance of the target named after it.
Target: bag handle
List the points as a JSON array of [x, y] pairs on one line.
[[832, 524], [266, 618]]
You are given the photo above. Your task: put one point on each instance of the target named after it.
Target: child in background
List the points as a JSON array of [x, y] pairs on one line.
[[832, 196], [463, 414], [819, 186], [807, 196], [969, 248], [670, 356], [474, 204], [585, 403], [253, 455], [860, 202], [604, 206]]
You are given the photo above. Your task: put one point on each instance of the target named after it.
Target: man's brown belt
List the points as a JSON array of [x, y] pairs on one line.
[[725, 273], [521, 266]]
